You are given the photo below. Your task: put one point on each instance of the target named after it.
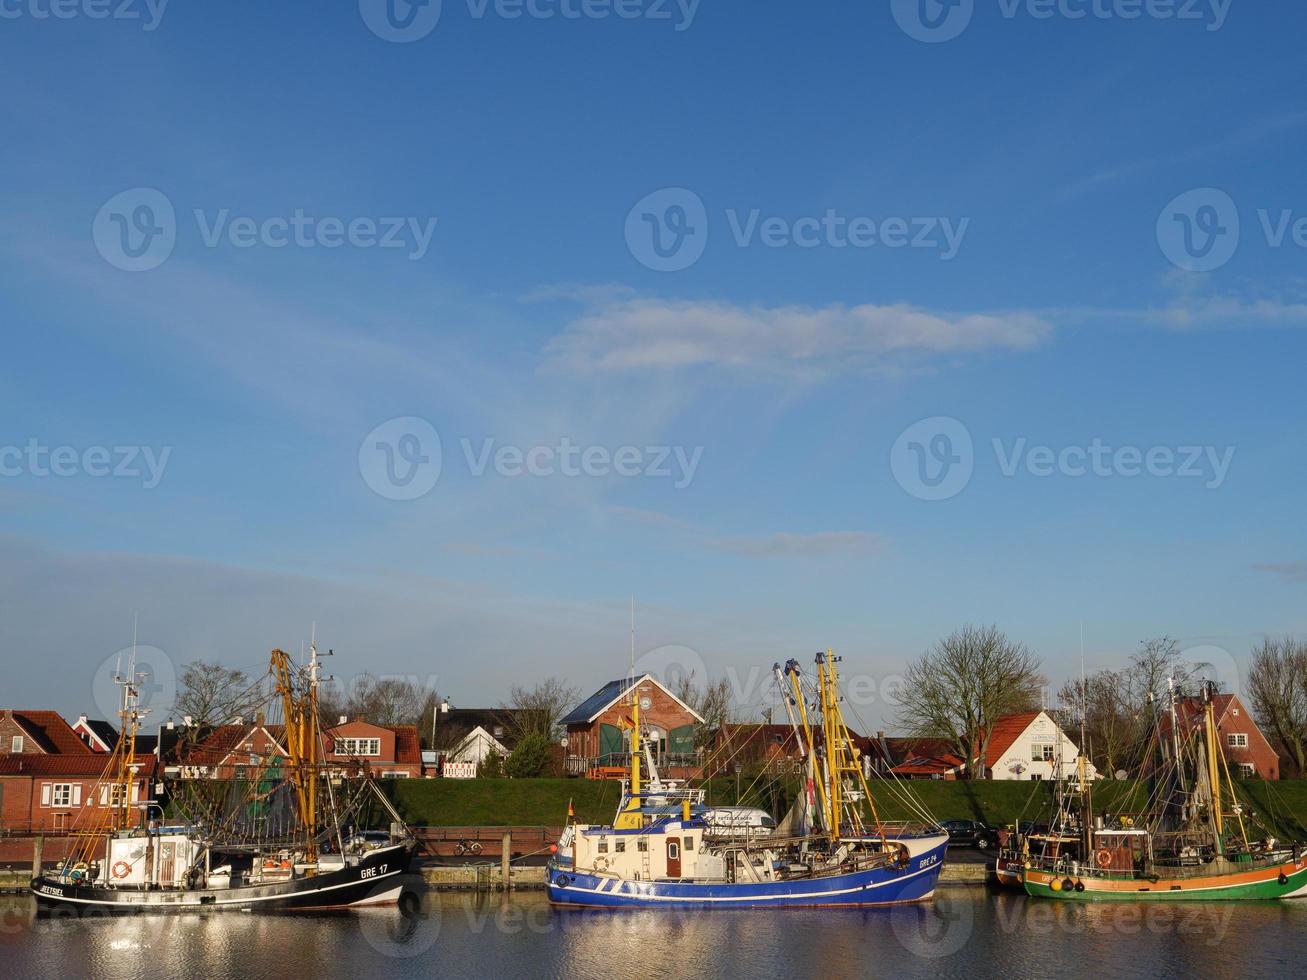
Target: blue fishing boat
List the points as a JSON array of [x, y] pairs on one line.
[[663, 850]]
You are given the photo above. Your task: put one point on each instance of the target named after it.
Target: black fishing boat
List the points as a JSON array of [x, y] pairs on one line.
[[273, 840]]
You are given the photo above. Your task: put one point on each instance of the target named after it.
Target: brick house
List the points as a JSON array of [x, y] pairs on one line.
[[1247, 751], [598, 729], [230, 751], [387, 751], [49, 778]]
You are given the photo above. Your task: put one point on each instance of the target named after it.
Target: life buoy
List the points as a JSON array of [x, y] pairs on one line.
[[562, 881], [601, 863], [1103, 858], [122, 869]]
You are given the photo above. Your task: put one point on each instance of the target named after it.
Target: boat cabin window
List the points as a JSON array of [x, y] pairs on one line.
[[619, 846], [642, 844], [673, 850], [689, 843], [603, 845]]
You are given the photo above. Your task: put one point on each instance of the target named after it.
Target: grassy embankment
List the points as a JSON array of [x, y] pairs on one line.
[[530, 802]]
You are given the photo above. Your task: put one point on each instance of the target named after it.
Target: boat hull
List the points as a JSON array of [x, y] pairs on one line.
[[914, 882], [375, 880], [1007, 872], [1288, 880]]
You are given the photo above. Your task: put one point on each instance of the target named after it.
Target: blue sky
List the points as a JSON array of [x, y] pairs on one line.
[[1054, 148]]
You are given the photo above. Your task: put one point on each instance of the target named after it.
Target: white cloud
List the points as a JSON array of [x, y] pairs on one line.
[[634, 333]]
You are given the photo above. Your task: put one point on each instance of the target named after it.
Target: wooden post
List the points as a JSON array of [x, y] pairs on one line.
[[36, 855], [503, 860]]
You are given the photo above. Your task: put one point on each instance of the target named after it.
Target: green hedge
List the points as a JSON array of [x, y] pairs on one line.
[[530, 802]]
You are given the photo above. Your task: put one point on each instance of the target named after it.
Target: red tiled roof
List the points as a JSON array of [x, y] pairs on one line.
[[408, 748], [222, 741], [51, 732], [1006, 731], [88, 764], [928, 767]]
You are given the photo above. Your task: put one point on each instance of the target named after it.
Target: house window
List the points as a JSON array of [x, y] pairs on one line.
[[1237, 740], [1041, 752], [358, 746], [16, 743], [1247, 770], [111, 795], [61, 794]]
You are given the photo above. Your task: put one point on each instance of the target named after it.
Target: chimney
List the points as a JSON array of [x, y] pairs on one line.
[[81, 720], [186, 720], [344, 719]]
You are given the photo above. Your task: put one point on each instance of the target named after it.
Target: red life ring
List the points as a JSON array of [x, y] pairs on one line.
[[1103, 858], [122, 869]]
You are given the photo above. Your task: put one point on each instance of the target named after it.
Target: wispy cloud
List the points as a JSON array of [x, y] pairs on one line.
[[787, 544], [627, 333], [1286, 571], [1254, 132], [653, 518]]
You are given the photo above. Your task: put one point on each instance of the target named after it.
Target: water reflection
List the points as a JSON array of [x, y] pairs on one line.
[[965, 932]]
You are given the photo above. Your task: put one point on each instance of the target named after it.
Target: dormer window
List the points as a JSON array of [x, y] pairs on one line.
[[16, 743]]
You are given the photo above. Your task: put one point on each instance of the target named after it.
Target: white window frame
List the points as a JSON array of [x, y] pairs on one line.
[[1237, 740], [360, 747], [1247, 770], [16, 744], [1048, 753], [61, 794]]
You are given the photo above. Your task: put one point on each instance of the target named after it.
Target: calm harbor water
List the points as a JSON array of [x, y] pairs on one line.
[[967, 932]]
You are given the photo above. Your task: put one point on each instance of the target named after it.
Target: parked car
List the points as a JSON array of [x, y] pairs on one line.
[[970, 833]]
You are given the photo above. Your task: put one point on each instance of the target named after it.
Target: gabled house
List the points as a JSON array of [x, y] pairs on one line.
[[50, 778], [1032, 746], [1023, 746], [98, 736], [230, 751], [38, 733], [919, 758], [1247, 751], [385, 751], [464, 760], [598, 729]]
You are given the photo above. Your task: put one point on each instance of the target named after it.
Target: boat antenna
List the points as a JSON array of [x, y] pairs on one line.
[[632, 638]]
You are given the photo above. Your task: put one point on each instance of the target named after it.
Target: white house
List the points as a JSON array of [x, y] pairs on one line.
[[1031, 746], [472, 750]]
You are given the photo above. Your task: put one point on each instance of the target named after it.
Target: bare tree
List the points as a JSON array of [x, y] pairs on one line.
[[1113, 724], [965, 683], [211, 694], [537, 710], [714, 703], [1277, 687], [380, 700]]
